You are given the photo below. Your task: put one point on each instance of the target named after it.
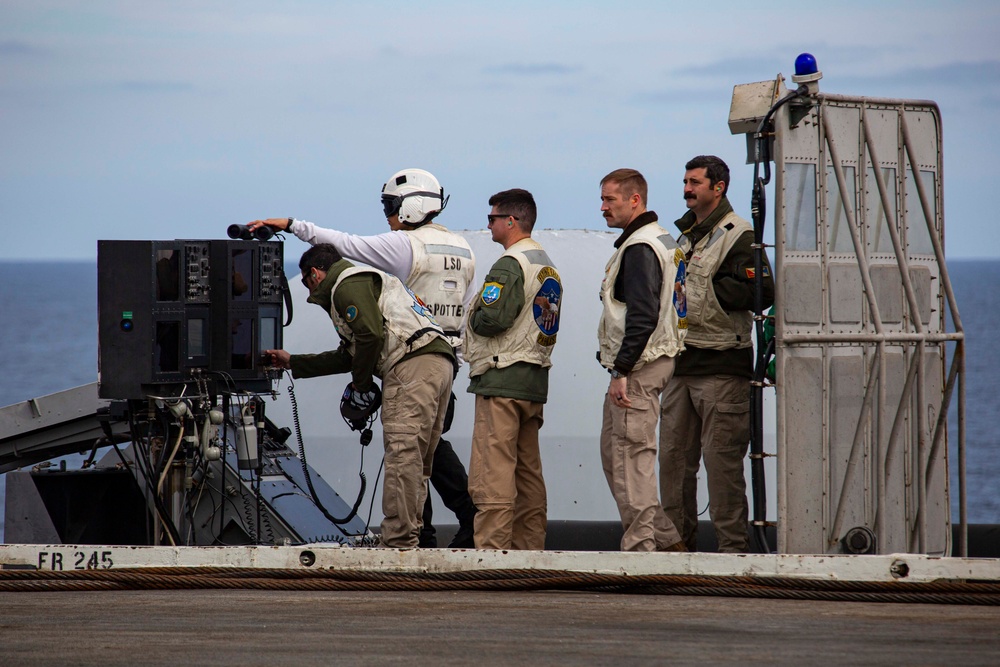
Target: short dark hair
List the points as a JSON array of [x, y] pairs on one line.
[[321, 256], [716, 170], [518, 203], [630, 182]]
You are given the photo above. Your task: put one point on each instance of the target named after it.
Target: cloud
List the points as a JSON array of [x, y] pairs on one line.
[[957, 73], [680, 96], [14, 48], [734, 69], [534, 69], [154, 87]]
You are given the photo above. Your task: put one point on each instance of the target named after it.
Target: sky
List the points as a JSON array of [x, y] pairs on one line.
[[162, 120]]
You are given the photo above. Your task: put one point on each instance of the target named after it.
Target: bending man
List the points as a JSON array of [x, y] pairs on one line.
[[386, 332], [438, 265]]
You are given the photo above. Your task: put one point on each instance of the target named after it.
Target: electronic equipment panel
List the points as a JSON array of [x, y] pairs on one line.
[[170, 312]]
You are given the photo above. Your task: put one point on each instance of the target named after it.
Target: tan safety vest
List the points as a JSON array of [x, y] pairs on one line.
[[408, 324], [667, 339], [533, 334], [443, 269], [709, 326]]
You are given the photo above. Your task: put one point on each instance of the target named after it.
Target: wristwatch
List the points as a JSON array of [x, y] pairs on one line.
[[615, 374]]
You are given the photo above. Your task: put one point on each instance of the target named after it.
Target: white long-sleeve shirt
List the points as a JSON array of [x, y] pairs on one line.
[[390, 251]]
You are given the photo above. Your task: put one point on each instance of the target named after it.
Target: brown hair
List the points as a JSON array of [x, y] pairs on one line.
[[629, 181]]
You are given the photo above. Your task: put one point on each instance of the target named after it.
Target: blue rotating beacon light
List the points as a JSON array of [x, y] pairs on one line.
[[807, 72]]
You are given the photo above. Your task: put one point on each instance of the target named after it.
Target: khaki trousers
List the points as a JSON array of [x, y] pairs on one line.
[[505, 474], [628, 454], [414, 400], [706, 416]]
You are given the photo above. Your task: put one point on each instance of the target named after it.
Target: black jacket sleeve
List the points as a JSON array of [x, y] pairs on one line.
[[733, 282], [638, 285]]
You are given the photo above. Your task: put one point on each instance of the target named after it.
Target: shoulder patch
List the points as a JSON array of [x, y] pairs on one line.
[[545, 306], [491, 292], [751, 274], [351, 313], [729, 225], [680, 295]]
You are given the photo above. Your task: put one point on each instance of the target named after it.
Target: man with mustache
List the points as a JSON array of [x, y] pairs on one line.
[[640, 333], [707, 402]]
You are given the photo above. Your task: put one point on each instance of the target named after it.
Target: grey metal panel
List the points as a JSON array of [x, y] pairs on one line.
[[937, 505], [845, 293], [920, 276], [847, 390], [803, 292], [802, 465], [49, 426], [888, 293], [838, 306], [898, 506], [27, 520]]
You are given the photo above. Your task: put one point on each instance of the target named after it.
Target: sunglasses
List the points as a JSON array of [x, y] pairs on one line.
[[305, 279], [490, 217]]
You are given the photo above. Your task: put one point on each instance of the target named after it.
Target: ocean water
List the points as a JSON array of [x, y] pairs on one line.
[[48, 342]]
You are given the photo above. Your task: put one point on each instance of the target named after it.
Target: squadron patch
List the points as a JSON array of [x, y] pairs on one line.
[[491, 292], [680, 295], [545, 307], [419, 307], [351, 313], [751, 274]]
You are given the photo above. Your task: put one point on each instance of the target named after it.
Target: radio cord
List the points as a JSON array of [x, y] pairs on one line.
[[305, 467]]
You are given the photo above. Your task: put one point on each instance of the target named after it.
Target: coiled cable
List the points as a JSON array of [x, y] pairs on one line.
[[305, 467]]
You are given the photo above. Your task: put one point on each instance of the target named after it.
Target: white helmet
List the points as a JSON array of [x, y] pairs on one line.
[[415, 195]]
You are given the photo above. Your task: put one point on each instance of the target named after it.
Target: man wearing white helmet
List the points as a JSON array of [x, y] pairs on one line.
[[437, 265]]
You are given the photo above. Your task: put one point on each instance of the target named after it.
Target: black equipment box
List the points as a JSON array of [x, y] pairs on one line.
[[171, 311]]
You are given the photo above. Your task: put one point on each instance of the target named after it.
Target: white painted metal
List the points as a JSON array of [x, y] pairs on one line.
[[859, 332], [887, 568]]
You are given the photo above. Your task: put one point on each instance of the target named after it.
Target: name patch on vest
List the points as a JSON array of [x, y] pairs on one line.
[[546, 306], [491, 292]]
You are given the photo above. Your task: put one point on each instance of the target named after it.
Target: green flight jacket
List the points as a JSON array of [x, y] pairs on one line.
[[523, 381], [368, 326]]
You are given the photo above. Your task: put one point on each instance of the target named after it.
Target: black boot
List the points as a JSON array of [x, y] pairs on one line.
[[452, 483]]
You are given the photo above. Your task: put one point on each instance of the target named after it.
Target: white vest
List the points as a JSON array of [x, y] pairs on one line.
[[533, 334], [408, 324], [709, 326], [667, 339], [443, 269]]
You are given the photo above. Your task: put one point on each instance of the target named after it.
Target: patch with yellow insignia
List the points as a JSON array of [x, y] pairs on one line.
[[491, 292], [751, 273]]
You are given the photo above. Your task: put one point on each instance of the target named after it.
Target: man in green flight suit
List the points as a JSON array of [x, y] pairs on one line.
[[385, 332], [509, 339]]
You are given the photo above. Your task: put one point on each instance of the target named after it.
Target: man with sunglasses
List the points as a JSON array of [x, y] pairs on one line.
[[511, 332], [439, 267]]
